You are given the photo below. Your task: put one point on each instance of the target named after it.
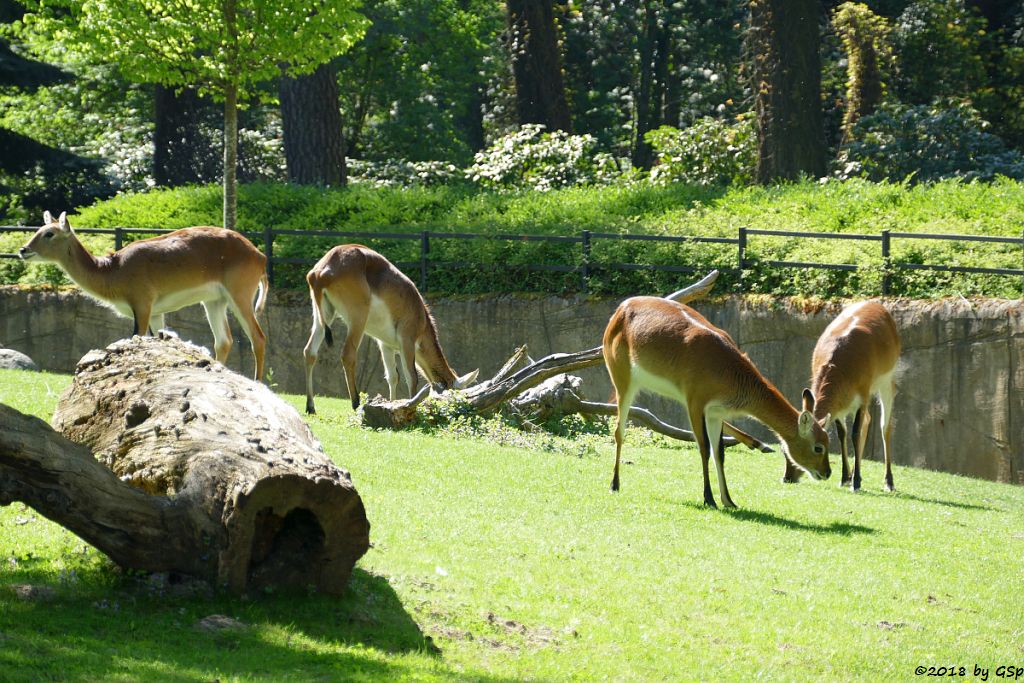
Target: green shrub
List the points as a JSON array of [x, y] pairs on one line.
[[488, 265], [927, 142], [710, 152]]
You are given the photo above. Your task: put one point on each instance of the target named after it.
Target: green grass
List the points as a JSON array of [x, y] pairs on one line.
[[518, 564], [854, 206]]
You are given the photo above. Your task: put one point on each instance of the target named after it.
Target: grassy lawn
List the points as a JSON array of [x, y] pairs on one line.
[[500, 563]]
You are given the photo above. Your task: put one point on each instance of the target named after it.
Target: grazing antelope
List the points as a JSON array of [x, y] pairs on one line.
[[855, 358], [148, 278], [666, 347], [373, 297]]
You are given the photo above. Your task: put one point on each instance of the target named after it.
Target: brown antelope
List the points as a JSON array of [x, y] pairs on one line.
[[373, 297], [146, 279], [666, 347], [855, 358]]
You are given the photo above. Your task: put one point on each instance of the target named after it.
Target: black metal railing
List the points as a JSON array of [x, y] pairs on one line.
[[584, 263]]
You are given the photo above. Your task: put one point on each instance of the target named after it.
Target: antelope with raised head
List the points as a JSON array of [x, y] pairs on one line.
[[667, 347], [374, 297], [146, 279], [855, 359]]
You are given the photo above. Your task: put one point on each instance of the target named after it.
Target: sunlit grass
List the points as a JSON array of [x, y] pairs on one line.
[[503, 563]]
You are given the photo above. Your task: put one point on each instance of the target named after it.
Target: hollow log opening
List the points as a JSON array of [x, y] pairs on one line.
[[277, 541]]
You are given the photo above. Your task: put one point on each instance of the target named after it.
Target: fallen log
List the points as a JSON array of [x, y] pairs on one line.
[[169, 462], [509, 383]]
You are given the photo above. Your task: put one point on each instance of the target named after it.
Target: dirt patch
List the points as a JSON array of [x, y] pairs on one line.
[[535, 636]]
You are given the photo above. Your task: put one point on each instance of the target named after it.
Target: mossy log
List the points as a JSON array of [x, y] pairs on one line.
[[167, 461]]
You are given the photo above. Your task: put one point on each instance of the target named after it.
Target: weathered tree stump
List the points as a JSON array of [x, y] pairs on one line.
[[168, 461]]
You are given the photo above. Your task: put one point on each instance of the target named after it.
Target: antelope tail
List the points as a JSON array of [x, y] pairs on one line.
[[261, 299], [318, 311]]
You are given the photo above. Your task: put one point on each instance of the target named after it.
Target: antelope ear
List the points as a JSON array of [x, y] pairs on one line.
[[63, 220], [808, 399], [804, 423], [826, 421], [47, 218], [467, 379]]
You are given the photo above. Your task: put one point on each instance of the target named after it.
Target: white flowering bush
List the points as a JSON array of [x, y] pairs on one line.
[[710, 152], [532, 158], [402, 173]]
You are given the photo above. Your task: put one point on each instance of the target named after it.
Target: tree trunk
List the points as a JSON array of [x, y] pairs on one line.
[[787, 88], [230, 156], [168, 461], [180, 154], [537, 64], [645, 111], [314, 144]]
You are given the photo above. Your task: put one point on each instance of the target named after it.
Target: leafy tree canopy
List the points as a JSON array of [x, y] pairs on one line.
[[209, 44]]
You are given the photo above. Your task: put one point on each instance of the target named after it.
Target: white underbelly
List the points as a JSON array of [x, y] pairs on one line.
[[172, 301], [648, 381], [379, 323]]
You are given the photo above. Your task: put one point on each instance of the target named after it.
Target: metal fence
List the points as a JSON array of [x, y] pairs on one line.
[[586, 240]]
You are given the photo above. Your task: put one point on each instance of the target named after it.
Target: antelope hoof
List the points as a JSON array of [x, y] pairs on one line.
[[889, 485], [710, 502], [845, 482], [615, 484], [355, 403], [310, 409], [729, 504]]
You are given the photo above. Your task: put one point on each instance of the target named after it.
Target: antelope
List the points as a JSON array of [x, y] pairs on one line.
[[374, 297], [855, 359], [148, 278], [663, 346]]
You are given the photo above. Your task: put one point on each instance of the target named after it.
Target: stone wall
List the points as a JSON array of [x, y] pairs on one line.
[[960, 389]]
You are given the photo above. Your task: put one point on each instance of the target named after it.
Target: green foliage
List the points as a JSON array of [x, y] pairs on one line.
[[865, 38], [206, 43], [849, 206], [506, 563], [938, 46], [710, 152], [411, 88], [534, 158], [927, 142], [602, 64]]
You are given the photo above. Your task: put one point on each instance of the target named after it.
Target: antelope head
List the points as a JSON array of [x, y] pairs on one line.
[[51, 242]]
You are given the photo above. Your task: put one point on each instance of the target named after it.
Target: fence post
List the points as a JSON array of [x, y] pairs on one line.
[[742, 245], [886, 279], [268, 251], [424, 258], [118, 239], [585, 265]]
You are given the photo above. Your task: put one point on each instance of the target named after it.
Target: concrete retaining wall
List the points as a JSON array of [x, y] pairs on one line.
[[960, 393]]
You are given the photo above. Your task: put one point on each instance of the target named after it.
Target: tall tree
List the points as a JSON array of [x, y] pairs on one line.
[[224, 48], [314, 143], [537, 64], [786, 75]]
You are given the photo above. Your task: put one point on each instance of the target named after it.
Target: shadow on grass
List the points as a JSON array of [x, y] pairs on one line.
[[770, 519], [89, 633], [898, 495]]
